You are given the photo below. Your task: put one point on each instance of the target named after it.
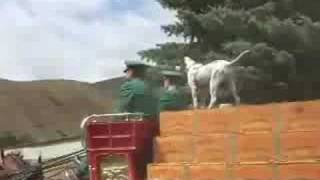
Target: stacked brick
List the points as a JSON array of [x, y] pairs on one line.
[[266, 142]]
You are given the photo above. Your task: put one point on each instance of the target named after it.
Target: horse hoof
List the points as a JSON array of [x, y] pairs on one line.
[[225, 105]]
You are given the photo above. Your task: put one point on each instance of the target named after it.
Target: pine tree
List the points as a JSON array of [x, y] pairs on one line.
[[283, 35]]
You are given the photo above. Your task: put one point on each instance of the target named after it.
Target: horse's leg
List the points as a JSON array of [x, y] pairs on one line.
[[213, 100], [207, 99], [234, 92], [213, 93], [194, 93], [201, 99]]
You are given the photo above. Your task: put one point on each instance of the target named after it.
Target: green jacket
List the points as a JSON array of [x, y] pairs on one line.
[[84, 168], [173, 99], [137, 96]]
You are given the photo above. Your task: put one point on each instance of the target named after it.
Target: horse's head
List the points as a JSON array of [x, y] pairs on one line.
[[189, 62]]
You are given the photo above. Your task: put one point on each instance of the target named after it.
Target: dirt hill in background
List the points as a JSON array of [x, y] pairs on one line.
[[50, 110], [43, 111], [109, 88]]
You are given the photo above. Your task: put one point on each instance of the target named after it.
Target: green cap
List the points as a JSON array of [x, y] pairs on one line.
[[169, 73], [134, 64]]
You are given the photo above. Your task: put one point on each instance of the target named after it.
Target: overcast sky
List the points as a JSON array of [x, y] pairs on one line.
[[84, 40]]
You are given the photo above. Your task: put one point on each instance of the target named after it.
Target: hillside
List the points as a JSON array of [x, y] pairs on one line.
[[109, 88], [49, 110]]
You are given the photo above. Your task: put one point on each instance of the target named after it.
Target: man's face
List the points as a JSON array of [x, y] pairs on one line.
[[129, 73], [166, 82]]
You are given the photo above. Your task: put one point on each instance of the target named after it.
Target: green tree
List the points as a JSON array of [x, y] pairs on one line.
[[283, 35]]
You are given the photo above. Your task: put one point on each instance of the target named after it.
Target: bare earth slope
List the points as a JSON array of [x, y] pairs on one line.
[[43, 111]]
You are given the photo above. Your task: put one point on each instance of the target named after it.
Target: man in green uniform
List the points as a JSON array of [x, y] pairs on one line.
[[136, 95], [172, 97]]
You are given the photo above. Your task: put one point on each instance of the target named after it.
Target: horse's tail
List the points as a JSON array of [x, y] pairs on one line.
[[237, 59]]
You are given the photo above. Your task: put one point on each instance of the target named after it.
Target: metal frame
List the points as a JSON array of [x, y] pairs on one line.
[[86, 120]]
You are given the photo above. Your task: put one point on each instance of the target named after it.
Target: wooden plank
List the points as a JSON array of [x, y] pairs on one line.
[[166, 172], [254, 172], [256, 148], [300, 116], [256, 119], [216, 121], [174, 149], [204, 148], [300, 146], [207, 172], [275, 141], [175, 123], [212, 148], [300, 171]]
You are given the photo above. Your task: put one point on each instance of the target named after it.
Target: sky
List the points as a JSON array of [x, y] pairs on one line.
[[85, 40]]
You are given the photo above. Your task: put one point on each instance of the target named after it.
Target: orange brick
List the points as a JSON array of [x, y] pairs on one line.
[[256, 119], [302, 116], [216, 121], [173, 149], [207, 172], [256, 148], [300, 146], [175, 123], [256, 172], [300, 171], [166, 172], [212, 148]]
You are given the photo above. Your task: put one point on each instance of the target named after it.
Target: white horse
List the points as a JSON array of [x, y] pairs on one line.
[[211, 75]]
